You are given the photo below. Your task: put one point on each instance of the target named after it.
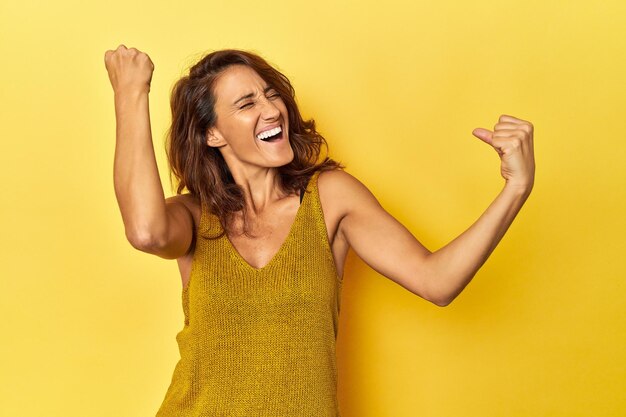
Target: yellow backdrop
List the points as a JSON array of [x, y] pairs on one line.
[[88, 323]]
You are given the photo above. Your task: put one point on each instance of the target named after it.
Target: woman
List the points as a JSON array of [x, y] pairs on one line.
[[262, 235]]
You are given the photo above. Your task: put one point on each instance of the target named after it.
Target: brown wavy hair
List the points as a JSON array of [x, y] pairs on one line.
[[201, 169]]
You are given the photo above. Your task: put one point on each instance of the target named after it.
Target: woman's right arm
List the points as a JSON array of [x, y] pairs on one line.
[[152, 223]]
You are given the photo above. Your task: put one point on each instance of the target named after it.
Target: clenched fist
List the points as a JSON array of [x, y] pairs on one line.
[[130, 70], [512, 138]]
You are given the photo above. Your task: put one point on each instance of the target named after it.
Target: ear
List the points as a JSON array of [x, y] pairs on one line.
[[214, 139]]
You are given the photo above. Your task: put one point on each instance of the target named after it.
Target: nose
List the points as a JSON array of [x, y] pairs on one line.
[[269, 109]]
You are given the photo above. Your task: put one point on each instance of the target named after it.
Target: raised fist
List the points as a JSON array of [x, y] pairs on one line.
[[512, 138], [130, 70]]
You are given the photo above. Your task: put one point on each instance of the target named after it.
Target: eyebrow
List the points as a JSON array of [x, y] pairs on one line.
[[268, 88]]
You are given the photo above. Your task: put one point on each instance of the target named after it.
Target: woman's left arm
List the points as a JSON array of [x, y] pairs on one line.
[[440, 276]]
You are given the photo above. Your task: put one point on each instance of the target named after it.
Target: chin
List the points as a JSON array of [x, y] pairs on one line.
[[285, 161]]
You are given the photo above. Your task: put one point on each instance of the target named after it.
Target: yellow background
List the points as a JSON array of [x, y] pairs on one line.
[[88, 323]]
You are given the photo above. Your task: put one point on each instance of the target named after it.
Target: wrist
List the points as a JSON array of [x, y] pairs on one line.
[[130, 93], [521, 189], [124, 98]]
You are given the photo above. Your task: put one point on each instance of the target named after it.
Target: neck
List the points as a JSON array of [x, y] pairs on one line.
[[260, 185]]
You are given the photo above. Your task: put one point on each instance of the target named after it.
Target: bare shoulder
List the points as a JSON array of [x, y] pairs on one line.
[[345, 190], [340, 180], [343, 197]]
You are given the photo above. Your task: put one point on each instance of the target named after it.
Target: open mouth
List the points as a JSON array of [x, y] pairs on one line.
[[274, 138]]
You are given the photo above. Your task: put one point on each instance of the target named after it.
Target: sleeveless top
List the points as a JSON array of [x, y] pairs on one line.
[[260, 341]]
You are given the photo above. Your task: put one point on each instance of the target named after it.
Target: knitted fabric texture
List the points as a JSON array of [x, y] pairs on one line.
[[260, 341]]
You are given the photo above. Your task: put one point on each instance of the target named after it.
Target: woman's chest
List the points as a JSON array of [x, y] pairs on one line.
[[271, 234]]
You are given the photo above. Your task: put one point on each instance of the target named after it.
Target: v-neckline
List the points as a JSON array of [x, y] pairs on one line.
[[282, 247]]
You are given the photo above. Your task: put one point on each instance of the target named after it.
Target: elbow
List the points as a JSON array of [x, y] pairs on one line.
[[433, 284], [442, 301], [441, 297], [144, 242], [439, 300], [445, 298]]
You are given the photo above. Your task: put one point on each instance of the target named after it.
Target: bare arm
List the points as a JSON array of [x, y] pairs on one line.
[[388, 247], [377, 237], [151, 224]]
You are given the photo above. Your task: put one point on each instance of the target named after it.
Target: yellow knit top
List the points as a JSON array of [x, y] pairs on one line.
[[259, 341]]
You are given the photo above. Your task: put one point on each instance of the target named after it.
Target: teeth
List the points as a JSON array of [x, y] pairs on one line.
[[269, 133]]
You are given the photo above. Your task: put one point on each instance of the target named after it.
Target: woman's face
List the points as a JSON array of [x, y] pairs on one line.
[[246, 106]]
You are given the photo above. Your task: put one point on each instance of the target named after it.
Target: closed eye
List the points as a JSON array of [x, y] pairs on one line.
[[250, 104]]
